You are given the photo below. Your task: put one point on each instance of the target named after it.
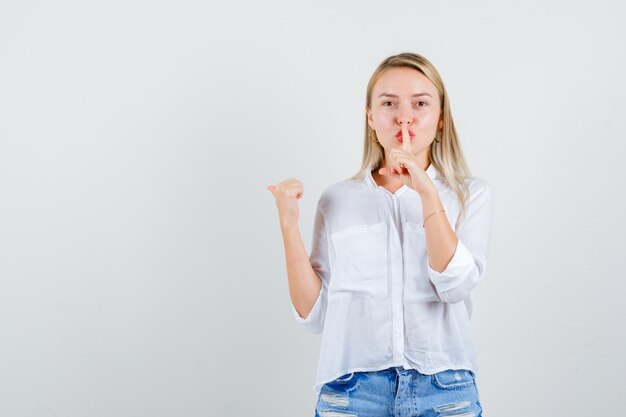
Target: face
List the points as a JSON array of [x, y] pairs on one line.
[[405, 96]]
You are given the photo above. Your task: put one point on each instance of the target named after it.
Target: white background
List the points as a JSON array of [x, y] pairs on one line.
[[142, 270]]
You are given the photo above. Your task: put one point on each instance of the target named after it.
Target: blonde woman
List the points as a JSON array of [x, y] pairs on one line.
[[397, 251]]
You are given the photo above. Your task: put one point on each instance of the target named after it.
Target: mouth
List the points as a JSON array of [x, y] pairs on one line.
[[399, 134]]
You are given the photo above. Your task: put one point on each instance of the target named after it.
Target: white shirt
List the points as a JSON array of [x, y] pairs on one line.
[[381, 304]]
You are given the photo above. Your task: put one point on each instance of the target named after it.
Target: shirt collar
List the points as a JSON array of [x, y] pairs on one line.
[[431, 171]]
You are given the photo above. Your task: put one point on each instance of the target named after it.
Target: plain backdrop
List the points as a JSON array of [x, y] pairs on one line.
[[142, 270]]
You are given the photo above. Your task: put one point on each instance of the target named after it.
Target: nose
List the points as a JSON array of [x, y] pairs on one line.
[[404, 117]]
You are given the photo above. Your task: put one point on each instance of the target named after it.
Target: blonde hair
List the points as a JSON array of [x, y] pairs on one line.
[[446, 156]]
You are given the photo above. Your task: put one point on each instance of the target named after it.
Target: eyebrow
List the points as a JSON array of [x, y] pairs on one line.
[[414, 95]]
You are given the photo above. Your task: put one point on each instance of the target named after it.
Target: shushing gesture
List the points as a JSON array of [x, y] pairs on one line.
[[403, 166]]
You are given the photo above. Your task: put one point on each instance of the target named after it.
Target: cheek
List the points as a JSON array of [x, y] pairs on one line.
[[430, 122], [387, 122]]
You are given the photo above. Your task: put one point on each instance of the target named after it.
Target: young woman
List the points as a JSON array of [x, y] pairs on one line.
[[397, 251]]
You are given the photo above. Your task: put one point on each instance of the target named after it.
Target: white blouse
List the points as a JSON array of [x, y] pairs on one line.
[[381, 304]]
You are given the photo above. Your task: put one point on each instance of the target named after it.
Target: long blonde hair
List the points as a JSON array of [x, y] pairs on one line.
[[446, 155]]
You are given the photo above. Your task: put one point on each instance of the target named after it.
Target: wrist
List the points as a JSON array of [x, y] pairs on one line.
[[429, 195], [288, 227], [430, 203]]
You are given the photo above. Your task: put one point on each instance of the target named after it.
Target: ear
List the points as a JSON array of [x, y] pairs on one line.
[[440, 126], [369, 118]]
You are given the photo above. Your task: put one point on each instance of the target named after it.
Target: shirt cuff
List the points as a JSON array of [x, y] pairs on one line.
[[312, 314], [455, 273]]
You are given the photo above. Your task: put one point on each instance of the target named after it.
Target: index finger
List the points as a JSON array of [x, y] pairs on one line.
[[406, 139]]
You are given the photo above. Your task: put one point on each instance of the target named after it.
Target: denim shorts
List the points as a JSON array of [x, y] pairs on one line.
[[400, 392]]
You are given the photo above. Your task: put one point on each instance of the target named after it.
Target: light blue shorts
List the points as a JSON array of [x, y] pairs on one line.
[[399, 392]]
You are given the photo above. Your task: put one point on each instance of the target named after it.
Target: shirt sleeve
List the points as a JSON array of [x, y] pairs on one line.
[[319, 258], [468, 264]]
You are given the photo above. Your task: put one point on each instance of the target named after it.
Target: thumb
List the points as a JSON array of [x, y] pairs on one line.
[[272, 188], [387, 171]]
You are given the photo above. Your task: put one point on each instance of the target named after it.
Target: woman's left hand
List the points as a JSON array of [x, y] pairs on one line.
[[403, 166]]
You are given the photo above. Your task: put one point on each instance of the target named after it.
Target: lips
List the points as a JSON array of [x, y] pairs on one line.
[[399, 134]]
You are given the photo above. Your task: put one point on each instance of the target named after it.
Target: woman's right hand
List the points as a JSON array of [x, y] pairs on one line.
[[287, 193]]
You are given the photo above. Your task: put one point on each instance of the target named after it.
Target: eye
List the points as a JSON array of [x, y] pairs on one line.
[[420, 102], [384, 103]]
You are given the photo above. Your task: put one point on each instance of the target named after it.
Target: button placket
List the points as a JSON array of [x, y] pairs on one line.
[[397, 272]]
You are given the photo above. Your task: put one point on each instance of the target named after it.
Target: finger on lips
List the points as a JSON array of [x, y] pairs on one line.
[[406, 139]]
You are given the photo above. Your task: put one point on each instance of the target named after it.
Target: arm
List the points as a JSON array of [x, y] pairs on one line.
[[304, 284], [308, 275], [457, 262], [441, 241]]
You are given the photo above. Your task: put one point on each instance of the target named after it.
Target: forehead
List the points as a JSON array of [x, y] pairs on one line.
[[403, 82]]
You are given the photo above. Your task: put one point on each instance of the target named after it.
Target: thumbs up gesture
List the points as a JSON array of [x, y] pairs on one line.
[[287, 193]]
